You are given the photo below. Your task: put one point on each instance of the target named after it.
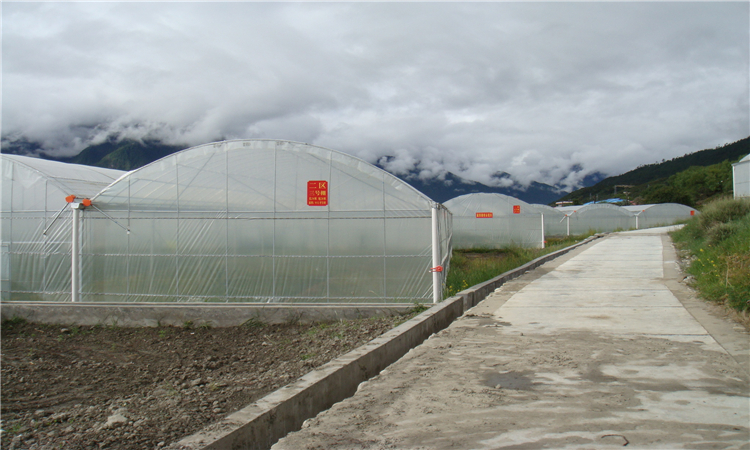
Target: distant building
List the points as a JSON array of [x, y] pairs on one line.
[[741, 175]]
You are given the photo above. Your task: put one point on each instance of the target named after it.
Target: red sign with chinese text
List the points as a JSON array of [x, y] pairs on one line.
[[484, 215], [516, 209], [317, 193]]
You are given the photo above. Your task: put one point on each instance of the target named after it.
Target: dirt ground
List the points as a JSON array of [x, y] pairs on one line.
[[144, 388]]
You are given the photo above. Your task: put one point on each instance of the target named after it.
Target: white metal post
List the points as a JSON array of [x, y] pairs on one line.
[[542, 230], [436, 281], [568, 217], [75, 251]]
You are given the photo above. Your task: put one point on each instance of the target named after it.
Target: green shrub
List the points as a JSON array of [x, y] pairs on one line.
[[719, 231], [723, 211]]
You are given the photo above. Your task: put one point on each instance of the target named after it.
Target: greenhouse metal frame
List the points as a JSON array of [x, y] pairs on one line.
[[257, 221], [555, 223]]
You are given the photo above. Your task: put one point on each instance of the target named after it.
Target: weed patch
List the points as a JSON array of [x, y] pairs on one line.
[[473, 266], [718, 245]]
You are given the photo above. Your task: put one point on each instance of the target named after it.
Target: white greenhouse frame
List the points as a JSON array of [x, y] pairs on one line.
[[555, 223]]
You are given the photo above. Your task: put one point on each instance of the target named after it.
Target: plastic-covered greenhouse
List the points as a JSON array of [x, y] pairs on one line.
[[36, 224], [741, 177], [494, 221], [660, 214], [554, 220], [597, 217], [260, 221]]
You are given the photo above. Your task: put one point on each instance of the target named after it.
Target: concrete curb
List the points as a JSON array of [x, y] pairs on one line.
[[263, 423]]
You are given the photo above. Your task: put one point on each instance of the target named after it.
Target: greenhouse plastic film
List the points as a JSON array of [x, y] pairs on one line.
[[310, 224]]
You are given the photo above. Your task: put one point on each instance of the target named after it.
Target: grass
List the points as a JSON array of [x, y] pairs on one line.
[[718, 244], [473, 266]]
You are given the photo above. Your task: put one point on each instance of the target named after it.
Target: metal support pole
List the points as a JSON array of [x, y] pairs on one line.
[[542, 230], [568, 217], [436, 281], [75, 252]]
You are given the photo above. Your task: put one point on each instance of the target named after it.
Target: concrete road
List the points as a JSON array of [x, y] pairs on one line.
[[602, 348]]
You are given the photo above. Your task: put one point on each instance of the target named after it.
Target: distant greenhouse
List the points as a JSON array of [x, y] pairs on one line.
[[494, 221], [36, 223], [598, 218], [261, 221], [660, 214]]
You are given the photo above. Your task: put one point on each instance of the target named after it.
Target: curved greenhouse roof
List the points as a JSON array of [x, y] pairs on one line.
[[260, 175], [498, 204], [660, 214], [32, 179], [261, 221], [36, 226], [598, 217], [486, 220]]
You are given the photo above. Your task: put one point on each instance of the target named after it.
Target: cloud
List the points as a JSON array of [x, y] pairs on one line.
[[477, 89]]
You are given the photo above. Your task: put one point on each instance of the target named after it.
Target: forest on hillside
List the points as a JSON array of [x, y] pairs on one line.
[[690, 180]]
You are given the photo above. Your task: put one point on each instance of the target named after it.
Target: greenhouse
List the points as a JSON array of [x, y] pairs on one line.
[[494, 221], [36, 223], [260, 221], [554, 220], [597, 218], [661, 214], [741, 177]]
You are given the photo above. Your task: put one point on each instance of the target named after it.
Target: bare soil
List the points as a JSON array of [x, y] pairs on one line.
[[144, 388]]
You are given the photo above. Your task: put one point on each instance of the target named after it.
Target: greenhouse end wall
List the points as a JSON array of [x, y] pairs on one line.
[[490, 221], [741, 178], [261, 221]]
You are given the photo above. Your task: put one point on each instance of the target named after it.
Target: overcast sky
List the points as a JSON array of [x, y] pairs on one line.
[[532, 89]]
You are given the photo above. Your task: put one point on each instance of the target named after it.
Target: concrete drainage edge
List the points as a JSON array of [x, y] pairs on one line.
[[261, 424]]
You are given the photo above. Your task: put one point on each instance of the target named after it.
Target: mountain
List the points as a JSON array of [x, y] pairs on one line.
[[453, 186], [124, 154], [127, 154], [640, 181]]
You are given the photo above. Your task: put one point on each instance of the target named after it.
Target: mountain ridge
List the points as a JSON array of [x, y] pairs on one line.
[[659, 173], [128, 154]]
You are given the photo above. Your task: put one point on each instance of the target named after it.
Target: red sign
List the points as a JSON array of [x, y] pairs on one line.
[[484, 215], [317, 193], [692, 213], [516, 209]]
